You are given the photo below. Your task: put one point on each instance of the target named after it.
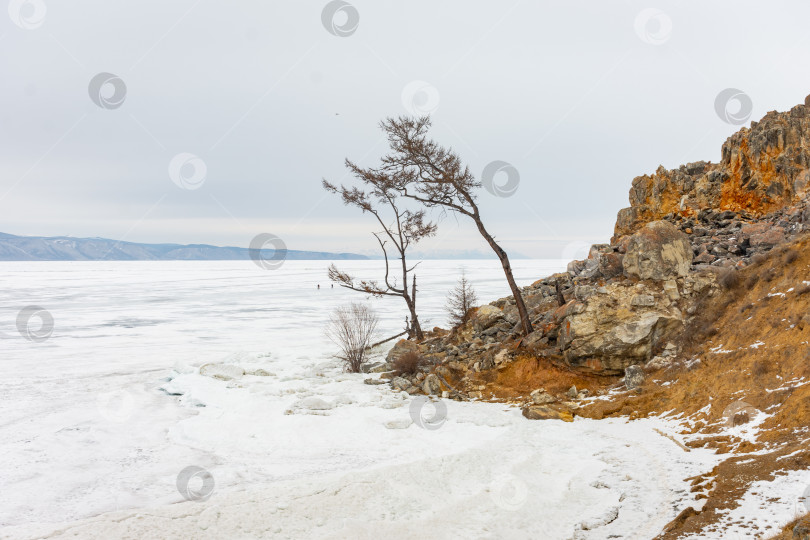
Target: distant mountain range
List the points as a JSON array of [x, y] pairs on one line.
[[66, 248], [457, 254]]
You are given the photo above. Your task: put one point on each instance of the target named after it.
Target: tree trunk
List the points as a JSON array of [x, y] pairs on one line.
[[525, 322], [417, 328], [386, 340], [558, 290]]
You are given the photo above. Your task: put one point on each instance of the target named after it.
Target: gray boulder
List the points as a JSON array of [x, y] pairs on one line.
[[541, 397], [658, 251], [642, 300], [486, 316], [400, 383], [610, 333], [633, 377], [431, 385]]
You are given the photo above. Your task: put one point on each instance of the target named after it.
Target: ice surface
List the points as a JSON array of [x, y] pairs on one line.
[[97, 421]]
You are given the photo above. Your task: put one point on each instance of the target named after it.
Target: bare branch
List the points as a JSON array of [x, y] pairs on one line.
[[352, 328]]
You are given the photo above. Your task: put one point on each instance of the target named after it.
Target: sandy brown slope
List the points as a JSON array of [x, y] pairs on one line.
[[749, 345]]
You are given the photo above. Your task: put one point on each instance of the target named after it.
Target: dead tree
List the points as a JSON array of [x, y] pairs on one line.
[[423, 170], [460, 301], [405, 229]]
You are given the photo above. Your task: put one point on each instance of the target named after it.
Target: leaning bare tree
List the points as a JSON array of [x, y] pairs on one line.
[[427, 172], [404, 230], [352, 329], [460, 301]]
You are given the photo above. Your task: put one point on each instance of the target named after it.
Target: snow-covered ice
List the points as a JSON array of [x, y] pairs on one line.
[[98, 421]]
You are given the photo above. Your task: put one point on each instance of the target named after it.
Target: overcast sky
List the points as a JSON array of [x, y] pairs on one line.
[[579, 97]]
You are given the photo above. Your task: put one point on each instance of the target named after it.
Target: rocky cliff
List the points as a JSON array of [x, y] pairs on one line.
[[628, 302], [763, 169], [676, 313]]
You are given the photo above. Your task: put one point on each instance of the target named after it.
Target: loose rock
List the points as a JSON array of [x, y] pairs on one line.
[[633, 377]]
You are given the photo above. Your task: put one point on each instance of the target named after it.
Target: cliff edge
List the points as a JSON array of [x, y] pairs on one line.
[[697, 309]]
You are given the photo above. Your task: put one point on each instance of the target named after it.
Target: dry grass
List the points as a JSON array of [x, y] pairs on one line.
[[737, 319], [761, 367], [409, 363], [729, 278], [758, 259], [528, 373], [787, 531]]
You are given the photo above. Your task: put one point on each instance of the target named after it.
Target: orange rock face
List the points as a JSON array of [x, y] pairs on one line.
[[763, 168]]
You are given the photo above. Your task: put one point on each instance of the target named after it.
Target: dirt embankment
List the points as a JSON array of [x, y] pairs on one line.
[[746, 354]]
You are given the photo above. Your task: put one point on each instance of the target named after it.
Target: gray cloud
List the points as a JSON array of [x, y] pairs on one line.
[[568, 93]]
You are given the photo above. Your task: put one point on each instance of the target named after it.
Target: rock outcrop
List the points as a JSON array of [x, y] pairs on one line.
[[623, 308], [705, 285], [610, 333], [763, 169], [658, 251]]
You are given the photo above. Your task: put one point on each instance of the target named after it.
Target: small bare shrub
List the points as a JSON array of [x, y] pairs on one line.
[[460, 302], [769, 274], [751, 281], [408, 363], [758, 258], [746, 307], [700, 330], [729, 278], [352, 327], [802, 289], [760, 368], [791, 255]]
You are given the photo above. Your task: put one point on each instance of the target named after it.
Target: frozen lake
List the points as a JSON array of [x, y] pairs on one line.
[[104, 414]]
